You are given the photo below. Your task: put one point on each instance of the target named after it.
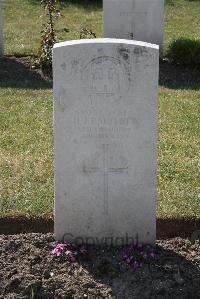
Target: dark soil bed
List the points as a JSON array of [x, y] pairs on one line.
[[29, 270], [166, 228], [20, 71]]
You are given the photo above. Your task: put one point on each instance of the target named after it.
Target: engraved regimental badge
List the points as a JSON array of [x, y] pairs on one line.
[[105, 78]]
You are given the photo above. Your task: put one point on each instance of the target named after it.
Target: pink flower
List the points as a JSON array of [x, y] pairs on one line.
[[71, 250], [60, 245], [68, 252], [56, 252]]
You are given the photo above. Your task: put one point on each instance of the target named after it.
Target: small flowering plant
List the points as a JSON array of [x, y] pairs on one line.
[[69, 250], [137, 254]]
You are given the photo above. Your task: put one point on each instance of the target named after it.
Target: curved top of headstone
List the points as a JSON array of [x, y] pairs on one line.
[[106, 41]]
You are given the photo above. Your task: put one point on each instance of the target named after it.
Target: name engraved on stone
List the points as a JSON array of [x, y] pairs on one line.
[[104, 127], [106, 170], [105, 78]]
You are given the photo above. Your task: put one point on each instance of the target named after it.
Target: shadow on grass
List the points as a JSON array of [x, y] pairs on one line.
[[182, 70], [178, 77], [17, 73], [166, 228], [177, 227], [86, 4]]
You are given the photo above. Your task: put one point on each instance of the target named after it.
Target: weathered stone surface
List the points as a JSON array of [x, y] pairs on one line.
[[105, 126], [134, 19]]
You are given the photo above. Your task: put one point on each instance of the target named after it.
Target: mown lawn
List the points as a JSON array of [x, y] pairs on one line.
[[26, 151], [178, 153], [26, 143], [23, 20]]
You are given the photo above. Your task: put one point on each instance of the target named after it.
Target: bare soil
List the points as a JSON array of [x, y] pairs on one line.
[[29, 270], [19, 68]]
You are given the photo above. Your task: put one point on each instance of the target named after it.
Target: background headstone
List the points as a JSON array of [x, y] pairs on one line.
[[1, 28], [105, 124], [134, 19]]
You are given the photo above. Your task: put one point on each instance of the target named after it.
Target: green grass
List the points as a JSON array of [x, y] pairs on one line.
[[181, 20], [26, 184], [23, 22], [178, 153], [26, 147]]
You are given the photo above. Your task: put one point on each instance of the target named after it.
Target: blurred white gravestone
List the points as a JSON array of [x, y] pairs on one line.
[[1, 28], [105, 127], [134, 19]]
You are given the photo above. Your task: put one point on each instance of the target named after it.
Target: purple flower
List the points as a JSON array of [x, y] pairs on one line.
[[129, 259], [72, 259], [68, 252], [136, 265], [83, 250], [67, 244], [71, 250], [152, 255], [137, 253], [145, 256]]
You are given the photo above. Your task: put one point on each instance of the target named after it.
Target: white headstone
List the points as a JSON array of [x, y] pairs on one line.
[[1, 29], [105, 126], [134, 19]]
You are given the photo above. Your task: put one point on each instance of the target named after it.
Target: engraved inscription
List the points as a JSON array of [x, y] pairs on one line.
[[112, 126], [105, 170], [105, 78]]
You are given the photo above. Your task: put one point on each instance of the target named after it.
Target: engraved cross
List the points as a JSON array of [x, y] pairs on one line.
[[105, 170]]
